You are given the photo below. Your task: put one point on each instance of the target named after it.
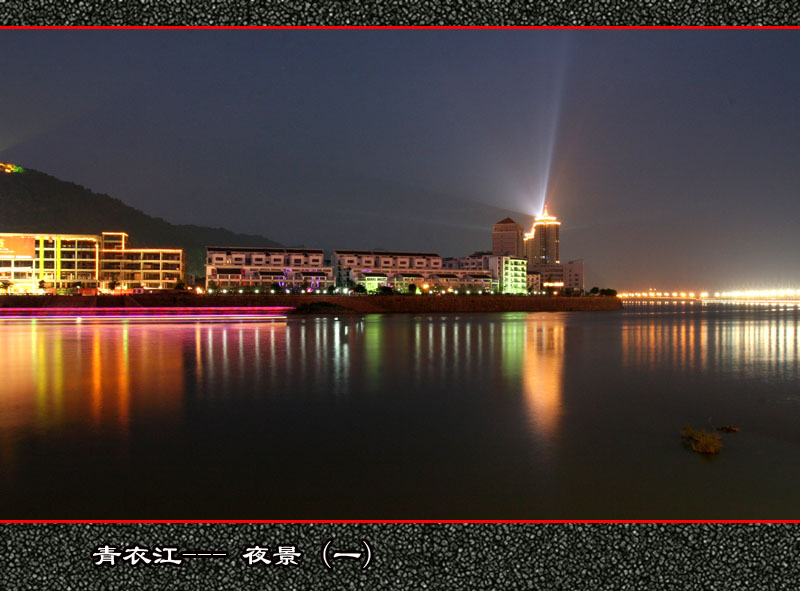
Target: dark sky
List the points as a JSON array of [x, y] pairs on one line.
[[672, 157]]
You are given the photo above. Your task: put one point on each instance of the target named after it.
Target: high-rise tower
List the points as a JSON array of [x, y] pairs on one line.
[[507, 238], [542, 243]]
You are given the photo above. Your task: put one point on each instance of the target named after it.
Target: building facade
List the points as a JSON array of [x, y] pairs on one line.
[[559, 277], [542, 243], [507, 238], [511, 273], [230, 267], [534, 282], [124, 267], [46, 263], [355, 266], [477, 260]]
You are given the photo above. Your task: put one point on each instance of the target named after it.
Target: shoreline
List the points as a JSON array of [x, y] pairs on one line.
[[325, 304]]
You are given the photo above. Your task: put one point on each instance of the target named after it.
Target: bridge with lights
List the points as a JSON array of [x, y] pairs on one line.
[[662, 297]]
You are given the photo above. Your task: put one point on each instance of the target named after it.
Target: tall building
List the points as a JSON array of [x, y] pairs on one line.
[[542, 243], [507, 238]]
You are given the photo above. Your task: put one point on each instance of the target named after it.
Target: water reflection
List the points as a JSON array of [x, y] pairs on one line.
[[543, 374], [434, 416], [104, 373], [740, 344], [108, 375], [54, 375]]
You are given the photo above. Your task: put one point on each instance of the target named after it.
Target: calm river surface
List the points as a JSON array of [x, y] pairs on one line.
[[495, 416]]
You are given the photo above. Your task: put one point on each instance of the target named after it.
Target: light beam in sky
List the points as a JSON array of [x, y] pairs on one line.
[[549, 127], [531, 184]]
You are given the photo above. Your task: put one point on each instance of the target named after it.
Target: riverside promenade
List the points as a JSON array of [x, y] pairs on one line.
[[321, 304]]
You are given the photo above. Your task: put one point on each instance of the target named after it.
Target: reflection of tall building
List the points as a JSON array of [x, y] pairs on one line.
[[543, 371], [507, 238], [542, 243]]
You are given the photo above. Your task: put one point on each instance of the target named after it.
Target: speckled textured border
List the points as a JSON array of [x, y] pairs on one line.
[[594, 557], [727, 557], [399, 12]]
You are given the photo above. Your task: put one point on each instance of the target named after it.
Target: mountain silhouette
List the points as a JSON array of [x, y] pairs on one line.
[[32, 201]]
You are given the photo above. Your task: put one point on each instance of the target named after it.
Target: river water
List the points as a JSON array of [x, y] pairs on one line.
[[480, 416]]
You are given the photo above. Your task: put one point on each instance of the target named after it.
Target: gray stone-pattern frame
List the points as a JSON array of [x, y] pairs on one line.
[[399, 12], [574, 556]]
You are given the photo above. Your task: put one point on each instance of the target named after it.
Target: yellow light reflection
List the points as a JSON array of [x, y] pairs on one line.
[[543, 371], [46, 384]]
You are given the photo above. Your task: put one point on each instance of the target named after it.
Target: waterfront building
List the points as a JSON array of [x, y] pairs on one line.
[[470, 280], [542, 242], [403, 281], [41, 263], [477, 260], [480, 282], [125, 267], [261, 267], [507, 238], [352, 266], [511, 273], [569, 275], [534, 282]]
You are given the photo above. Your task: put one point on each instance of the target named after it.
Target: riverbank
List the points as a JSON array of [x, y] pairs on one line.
[[321, 304]]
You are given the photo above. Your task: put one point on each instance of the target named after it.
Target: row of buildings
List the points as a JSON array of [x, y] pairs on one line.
[[294, 268], [518, 264], [34, 263]]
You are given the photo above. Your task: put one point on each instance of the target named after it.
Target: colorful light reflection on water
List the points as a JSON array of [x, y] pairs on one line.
[[458, 416]]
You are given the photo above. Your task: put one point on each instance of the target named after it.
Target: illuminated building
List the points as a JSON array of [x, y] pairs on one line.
[[507, 238], [354, 265], [60, 261], [124, 267], [511, 273], [246, 266], [569, 275], [403, 281], [400, 270], [542, 243], [33, 263]]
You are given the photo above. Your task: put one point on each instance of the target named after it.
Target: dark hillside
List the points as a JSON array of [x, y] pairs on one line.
[[32, 201]]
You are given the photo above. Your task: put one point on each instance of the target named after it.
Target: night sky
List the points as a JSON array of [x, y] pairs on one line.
[[672, 157]]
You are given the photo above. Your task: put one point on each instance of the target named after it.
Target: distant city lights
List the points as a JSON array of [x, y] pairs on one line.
[[756, 295], [9, 168], [685, 294]]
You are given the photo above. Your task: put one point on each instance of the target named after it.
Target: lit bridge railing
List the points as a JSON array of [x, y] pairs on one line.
[[789, 297]]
